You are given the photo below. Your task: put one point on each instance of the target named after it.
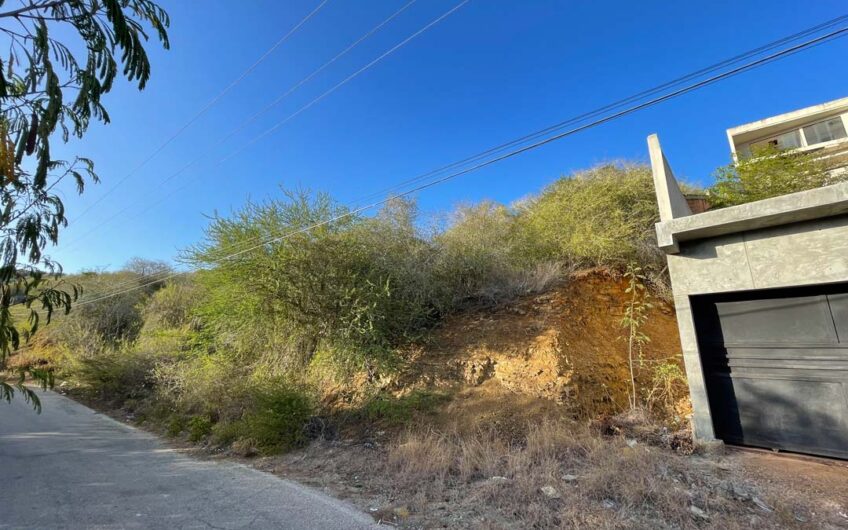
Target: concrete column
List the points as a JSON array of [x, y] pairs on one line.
[[702, 421]]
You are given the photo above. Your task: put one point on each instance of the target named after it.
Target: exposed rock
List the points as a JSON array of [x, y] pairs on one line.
[[550, 492], [569, 478], [477, 371], [698, 513], [762, 505]]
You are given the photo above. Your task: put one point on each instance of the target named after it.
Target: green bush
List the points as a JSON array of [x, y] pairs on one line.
[[480, 253], [276, 421], [356, 283], [175, 425], [171, 306], [602, 216], [199, 427], [205, 385], [396, 410], [770, 172], [116, 373]]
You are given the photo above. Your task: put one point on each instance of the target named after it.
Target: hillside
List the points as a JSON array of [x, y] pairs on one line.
[[566, 345]]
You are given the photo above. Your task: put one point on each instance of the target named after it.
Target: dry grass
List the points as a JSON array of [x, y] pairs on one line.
[[560, 475]]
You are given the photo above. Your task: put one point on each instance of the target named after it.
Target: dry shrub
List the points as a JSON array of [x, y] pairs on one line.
[[480, 457], [521, 282], [421, 457], [598, 481]]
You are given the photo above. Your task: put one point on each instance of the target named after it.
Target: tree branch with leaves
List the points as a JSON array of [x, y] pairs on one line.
[[49, 93]]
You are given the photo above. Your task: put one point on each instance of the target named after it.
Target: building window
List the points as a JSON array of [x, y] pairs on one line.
[[787, 140], [825, 131]]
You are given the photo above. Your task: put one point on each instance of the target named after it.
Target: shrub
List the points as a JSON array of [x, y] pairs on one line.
[[479, 253], [175, 425], [668, 386], [400, 410], [353, 283], [602, 216], [171, 306], [207, 385], [276, 422], [768, 173], [199, 427], [116, 373]]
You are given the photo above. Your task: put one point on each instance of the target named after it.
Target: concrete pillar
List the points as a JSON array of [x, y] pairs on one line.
[[702, 421]]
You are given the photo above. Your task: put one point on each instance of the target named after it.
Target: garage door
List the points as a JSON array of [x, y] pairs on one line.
[[776, 367]]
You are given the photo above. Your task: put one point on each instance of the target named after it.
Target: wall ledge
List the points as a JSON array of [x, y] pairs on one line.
[[797, 207]]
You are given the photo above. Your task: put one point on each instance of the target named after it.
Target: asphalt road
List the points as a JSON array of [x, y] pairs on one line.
[[70, 467]]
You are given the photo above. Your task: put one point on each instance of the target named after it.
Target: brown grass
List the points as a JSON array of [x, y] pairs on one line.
[[427, 478]]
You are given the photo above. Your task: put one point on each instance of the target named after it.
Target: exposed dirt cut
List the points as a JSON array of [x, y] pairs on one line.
[[566, 346]]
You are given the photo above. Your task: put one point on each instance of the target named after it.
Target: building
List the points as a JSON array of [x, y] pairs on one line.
[[820, 129], [761, 296]]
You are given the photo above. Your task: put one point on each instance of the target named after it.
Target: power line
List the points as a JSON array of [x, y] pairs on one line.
[[275, 102], [346, 80], [203, 110], [618, 104], [630, 110]]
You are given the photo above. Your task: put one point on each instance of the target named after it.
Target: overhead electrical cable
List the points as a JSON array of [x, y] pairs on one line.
[[618, 104], [515, 152], [200, 113], [576, 119], [161, 198]]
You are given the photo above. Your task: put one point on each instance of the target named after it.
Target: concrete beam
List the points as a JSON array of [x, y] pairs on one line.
[[670, 199], [797, 207]]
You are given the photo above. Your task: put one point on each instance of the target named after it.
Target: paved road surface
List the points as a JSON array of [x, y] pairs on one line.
[[70, 467]]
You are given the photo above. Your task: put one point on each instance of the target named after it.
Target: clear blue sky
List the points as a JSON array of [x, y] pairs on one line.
[[493, 71]]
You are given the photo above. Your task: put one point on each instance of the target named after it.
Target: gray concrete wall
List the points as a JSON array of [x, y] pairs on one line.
[[798, 239], [811, 252]]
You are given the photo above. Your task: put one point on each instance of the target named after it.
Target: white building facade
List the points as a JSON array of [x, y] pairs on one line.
[[820, 129]]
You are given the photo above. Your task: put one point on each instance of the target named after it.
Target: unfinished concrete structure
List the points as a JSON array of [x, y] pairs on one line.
[[821, 130], [761, 294]]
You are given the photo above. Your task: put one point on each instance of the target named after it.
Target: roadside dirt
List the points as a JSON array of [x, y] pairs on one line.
[[613, 485]]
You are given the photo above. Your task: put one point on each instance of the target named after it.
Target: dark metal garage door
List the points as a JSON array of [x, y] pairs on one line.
[[776, 367]]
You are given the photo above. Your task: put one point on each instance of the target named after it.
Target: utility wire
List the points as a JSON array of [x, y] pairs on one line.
[[630, 110], [203, 110], [620, 103], [346, 80], [252, 118]]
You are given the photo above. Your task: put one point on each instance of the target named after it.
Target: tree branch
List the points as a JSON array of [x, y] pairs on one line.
[[32, 7]]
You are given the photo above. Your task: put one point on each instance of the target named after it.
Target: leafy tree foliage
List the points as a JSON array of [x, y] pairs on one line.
[[355, 284], [50, 89], [770, 172]]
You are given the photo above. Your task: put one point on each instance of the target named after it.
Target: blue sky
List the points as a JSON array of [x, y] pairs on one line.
[[493, 71]]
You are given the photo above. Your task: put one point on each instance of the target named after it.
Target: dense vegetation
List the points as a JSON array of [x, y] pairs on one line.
[[283, 304], [771, 172], [237, 349]]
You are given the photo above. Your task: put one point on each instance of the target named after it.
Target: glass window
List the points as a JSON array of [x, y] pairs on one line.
[[787, 140], [825, 131]]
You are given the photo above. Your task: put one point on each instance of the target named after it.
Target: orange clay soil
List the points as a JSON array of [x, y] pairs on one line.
[[566, 346]]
